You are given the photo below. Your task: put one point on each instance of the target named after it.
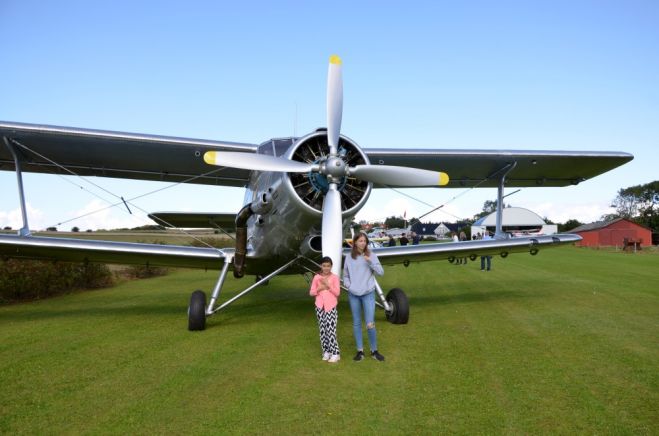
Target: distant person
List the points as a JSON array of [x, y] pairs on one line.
[[463, 237], [404, 240], [392, 241], [359, 272], [458, 261], [325, 287], [486, 260], [415, 238]]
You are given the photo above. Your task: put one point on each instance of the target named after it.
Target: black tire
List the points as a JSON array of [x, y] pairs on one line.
[[400, 308], [197, 311]]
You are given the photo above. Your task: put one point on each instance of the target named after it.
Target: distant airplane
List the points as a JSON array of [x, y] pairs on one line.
[[301, 196]]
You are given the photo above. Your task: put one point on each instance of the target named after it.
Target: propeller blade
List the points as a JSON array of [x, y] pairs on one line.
[[333, 228], [399, 176], [334, 102], [258, 162]]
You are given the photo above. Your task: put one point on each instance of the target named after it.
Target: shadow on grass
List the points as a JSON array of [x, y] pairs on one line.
[[271, 307]]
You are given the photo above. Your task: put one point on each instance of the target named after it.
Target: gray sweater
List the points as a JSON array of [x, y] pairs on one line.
[[358, 274]]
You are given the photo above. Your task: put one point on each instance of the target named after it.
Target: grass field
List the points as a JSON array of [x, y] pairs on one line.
[[563, 342]]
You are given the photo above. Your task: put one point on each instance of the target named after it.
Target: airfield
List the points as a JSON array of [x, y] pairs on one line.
[[562, 342]]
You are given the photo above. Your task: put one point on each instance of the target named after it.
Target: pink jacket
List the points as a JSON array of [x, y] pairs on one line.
[[325, 299]]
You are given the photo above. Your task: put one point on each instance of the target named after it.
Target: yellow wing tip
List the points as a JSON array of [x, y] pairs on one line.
[[209, 157], [443, 179], [335, 59]]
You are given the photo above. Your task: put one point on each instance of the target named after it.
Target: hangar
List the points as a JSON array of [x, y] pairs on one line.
[[619, 232], [516, 221]]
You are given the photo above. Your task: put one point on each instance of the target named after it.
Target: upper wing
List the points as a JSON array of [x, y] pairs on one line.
[[427, 252], [115, 154], [483, 168], [46, 149]]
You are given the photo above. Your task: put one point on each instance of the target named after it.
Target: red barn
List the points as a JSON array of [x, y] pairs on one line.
[[619, 232]]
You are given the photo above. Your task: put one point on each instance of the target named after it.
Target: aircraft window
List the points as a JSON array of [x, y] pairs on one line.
[[282, 145], [275, 147], [266, 148]]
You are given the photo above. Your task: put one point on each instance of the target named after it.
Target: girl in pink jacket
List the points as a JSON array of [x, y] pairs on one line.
[[325, 287]]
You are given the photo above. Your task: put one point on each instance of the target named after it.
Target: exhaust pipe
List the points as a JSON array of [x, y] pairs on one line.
[[260, 206], [241, 241]]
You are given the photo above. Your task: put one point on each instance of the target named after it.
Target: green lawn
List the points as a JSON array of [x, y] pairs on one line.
[[563, 342]]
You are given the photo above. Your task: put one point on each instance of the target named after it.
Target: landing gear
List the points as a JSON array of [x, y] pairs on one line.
[[399, 312], [197, 311]]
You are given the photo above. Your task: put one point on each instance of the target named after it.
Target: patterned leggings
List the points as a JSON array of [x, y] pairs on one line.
[[327, 326]]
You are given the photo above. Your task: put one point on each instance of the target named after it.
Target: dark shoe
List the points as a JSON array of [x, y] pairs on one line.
[[377, 356], [359, 356]]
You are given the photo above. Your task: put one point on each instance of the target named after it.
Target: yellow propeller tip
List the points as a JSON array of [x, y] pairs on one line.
[[443, 179], [335, 59], [209, 157]]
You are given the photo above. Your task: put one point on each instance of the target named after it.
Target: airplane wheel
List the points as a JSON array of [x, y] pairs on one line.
[[197, 311], [400, 308]]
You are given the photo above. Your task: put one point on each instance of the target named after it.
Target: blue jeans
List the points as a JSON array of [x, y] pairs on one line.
[[367, 302], [485, 259]]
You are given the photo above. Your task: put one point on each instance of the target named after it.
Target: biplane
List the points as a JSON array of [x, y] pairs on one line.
[[301, 195]]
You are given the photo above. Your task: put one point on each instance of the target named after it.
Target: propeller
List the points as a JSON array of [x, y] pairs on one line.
[[258, 162], [334, 103], [398, 176], [332, 167], [333, 227]]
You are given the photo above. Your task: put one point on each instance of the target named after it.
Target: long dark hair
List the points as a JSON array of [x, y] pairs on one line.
[[355, 252]]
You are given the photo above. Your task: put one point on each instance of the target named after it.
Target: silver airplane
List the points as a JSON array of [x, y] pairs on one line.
[[302, 193]]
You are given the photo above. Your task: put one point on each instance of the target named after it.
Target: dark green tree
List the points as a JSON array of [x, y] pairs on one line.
[[394, 222], [569, 225], [639, 203]]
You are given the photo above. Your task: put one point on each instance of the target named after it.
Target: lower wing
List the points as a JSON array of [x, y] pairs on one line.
[[472, 249]]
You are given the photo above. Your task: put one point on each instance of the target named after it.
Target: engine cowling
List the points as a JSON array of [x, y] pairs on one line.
[[310, 188]]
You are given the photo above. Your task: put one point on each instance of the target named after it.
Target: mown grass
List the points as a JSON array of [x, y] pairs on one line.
[[564, 342]]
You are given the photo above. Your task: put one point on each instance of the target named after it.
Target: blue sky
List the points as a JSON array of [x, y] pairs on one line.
[[573, 75]]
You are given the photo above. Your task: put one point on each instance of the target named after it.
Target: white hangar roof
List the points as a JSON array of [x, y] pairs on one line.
[[512, 216]]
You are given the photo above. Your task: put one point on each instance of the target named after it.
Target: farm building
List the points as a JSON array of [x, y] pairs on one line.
[[619, 232]]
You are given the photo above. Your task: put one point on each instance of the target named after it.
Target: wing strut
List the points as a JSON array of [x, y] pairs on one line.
[[25, 230], [499, 234]]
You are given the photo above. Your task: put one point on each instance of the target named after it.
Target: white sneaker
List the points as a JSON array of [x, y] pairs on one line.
[[334, 358], [326, 356]]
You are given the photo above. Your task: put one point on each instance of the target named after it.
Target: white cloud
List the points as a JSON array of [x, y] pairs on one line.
[[96, 215], [14, 219]]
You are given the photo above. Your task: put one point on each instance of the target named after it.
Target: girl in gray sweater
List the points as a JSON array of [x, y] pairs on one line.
[[358, 276]]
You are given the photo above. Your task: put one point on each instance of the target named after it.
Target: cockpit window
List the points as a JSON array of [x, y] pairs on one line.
[[275, 147]]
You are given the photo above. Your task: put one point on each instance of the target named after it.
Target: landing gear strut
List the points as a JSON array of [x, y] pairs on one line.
[[198, 311]]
